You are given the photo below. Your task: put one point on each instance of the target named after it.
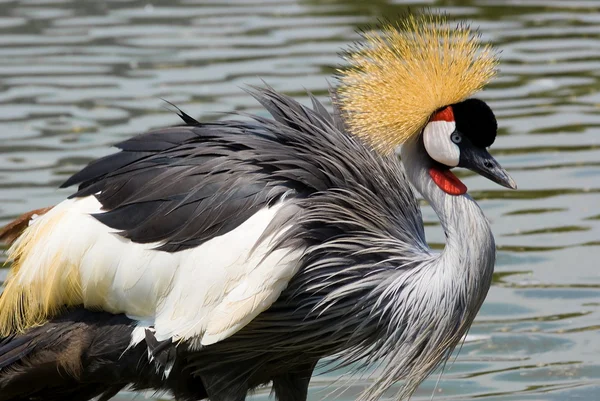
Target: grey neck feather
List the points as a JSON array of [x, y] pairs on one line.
[[446, 288], [469, 239]]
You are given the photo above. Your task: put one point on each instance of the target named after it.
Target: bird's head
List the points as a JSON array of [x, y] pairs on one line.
[[457, 136], [414, 79]]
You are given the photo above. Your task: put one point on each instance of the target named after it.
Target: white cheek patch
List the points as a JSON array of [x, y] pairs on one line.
[[436, 138]]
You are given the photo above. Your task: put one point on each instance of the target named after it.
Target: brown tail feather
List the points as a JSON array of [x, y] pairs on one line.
[[76, 357], [12, 231], [82, 355]]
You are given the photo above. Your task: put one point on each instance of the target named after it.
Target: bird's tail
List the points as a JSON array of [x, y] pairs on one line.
[[12, 231], [78, 356]]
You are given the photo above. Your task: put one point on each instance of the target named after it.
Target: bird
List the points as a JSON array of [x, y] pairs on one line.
[[209, 259]]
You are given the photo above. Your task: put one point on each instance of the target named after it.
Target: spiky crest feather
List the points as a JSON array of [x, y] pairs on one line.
[[400, 75]]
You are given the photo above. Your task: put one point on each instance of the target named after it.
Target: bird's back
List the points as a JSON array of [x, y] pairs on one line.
[[182, 186]]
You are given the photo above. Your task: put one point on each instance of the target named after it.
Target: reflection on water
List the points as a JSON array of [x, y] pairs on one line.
[[78, 76]]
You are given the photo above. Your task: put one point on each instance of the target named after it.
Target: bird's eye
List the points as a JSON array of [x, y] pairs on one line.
[[456, 137]]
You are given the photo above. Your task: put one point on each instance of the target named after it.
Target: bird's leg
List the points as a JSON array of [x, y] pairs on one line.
[[293, 385]]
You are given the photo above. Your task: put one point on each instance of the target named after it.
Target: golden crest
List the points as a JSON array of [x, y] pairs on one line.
[[399, 76]]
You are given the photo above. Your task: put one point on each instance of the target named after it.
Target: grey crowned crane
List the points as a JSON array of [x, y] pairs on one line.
[[212, 258]]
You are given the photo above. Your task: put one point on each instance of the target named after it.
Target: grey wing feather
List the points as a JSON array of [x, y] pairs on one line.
[[181, 186]]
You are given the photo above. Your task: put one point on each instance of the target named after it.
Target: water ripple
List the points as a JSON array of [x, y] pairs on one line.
[[76, 77]]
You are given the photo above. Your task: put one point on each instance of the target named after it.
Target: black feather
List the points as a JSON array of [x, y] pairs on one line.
[[162, 352], [475, 119], [184, 116]]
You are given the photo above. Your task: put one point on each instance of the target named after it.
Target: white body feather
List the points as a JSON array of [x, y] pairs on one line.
[[207, 293]]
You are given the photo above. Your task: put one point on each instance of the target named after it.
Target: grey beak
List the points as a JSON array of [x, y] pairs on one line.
[[481, 162]]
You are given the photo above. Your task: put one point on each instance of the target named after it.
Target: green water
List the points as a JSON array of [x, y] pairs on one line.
[[77, 76]]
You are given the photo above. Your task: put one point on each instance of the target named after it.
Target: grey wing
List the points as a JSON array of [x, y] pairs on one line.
[[181, 186]]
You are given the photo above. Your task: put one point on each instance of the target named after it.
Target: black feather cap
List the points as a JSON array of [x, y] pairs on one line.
[[476, 120]]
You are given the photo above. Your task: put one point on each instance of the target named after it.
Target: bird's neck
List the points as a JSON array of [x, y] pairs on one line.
[[470, 249]]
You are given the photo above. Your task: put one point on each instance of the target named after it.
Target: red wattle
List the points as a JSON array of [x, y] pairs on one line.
[[446, 114], [447, 181]]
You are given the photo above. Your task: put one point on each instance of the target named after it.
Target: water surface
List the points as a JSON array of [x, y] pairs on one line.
[[78, 76]]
